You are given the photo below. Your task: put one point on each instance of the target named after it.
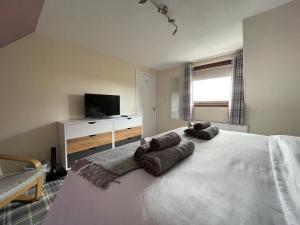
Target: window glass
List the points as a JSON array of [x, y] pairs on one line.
[[214, 89]]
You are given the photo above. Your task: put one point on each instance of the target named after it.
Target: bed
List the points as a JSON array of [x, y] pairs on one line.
[[235, 178]]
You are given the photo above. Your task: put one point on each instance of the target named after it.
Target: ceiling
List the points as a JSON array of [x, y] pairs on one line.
[[140, 35]]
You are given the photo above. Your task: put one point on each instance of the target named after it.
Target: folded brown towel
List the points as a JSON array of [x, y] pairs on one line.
[[159, 162], [190, 132], [201, 125], [141, 150], [165, 141], [205, 134]]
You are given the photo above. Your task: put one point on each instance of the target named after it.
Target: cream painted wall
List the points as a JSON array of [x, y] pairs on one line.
[[164, 120], [42, 81], [272, 71], [163, 89], [272, 76]]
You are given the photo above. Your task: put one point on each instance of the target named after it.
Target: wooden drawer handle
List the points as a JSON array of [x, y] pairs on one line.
[[129, 128], [92, 122]]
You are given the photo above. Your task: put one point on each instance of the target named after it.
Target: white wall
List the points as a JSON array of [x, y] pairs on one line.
[[272, 76], [164, 120], [43, 80], [272, 71]]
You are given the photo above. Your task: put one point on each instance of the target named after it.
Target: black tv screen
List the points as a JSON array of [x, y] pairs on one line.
[[98, 106]]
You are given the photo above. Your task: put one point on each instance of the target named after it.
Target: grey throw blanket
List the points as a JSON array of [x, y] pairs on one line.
[[201, 125], [205, 134], [102, 168], [141, 150], [159, 162], [165, 141]]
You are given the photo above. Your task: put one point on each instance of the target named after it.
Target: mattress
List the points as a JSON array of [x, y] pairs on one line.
[[228, 180]]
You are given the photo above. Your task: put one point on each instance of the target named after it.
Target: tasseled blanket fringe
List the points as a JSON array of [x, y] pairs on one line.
[[95, 174], [79, 164]]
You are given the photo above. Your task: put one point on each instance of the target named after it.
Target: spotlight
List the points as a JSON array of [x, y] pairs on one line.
[[170, 20], [163, 9], [141, 2]]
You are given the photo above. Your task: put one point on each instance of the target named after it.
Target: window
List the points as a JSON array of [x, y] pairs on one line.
[[212, 87]]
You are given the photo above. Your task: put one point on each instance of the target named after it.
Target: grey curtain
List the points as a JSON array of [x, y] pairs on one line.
[[236, 111], [187, 106]]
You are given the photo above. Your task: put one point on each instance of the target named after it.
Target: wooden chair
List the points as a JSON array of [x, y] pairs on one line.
[[13, 187]]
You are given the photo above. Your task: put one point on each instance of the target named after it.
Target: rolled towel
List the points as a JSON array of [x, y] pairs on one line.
[[201, 125], [190, 132], [159, 162], [141, 150], [205, 134], [165, 141], [208, 133]]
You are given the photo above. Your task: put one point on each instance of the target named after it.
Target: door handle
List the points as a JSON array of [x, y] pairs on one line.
[[153, 108]]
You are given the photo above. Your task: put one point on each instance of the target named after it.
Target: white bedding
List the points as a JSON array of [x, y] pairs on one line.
[[285, 158], [228, 180]]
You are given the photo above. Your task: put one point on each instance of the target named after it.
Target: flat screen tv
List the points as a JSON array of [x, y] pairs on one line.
[[99, 106]]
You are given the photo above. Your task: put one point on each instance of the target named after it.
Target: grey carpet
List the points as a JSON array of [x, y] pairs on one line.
[[17, 213]]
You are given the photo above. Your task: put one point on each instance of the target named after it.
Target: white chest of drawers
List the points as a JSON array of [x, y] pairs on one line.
[[80, 138]]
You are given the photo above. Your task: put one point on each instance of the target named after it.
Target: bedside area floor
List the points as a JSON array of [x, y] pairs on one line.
[[17, 213]]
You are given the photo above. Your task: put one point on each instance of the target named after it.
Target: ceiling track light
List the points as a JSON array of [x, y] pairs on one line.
[[162, 9]]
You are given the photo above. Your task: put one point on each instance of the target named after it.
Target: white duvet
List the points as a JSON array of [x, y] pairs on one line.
[[227, 181], [285, 158]]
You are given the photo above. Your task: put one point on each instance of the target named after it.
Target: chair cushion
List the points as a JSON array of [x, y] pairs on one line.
[[11, 184]]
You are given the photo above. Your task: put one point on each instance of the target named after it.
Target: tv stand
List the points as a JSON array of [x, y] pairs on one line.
[[81, 138]]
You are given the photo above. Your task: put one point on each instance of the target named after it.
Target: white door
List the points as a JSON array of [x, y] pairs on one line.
[[146, 101]]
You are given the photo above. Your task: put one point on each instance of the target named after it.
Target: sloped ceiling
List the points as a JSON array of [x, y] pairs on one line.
[[18, 18], [140, 35], [137, 34]]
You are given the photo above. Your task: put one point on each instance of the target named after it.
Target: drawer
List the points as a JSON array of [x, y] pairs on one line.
[[128, 133], [71, 159], [127, 122], [84, 143], [88, 128], [127, 141]]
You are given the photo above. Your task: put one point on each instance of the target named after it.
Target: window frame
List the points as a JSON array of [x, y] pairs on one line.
[[211, 66], [211, 104]]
